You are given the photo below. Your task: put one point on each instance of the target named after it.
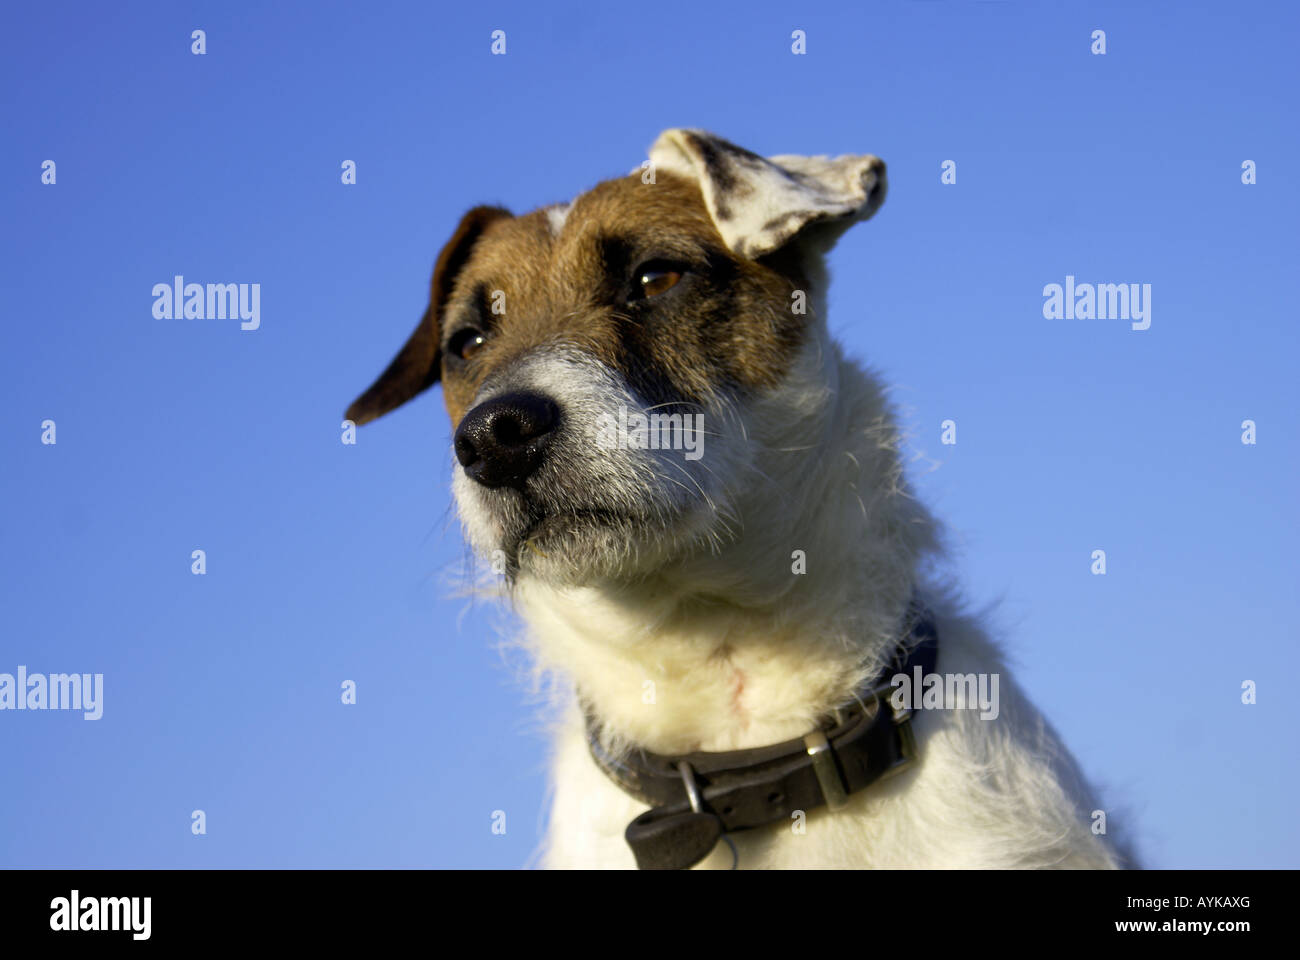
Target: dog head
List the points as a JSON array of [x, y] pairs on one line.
[[609, 364]]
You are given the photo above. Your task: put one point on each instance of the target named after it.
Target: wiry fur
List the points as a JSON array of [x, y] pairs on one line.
[[660, 590], [655, 505], [742, 654]]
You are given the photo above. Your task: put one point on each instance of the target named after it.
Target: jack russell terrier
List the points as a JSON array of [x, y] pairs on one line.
[[699, 509]]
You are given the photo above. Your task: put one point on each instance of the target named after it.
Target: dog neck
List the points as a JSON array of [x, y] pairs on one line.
[[753, 643]]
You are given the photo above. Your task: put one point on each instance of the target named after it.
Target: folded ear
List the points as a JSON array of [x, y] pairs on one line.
[[760, 205], [416, 366]]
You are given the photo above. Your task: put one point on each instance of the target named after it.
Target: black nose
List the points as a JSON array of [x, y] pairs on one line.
[[501, 441]]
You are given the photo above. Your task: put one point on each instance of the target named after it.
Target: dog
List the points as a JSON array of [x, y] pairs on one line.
[[698, 506]]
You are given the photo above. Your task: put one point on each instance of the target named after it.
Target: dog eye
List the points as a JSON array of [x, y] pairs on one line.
[[654, 278], [466, 342]]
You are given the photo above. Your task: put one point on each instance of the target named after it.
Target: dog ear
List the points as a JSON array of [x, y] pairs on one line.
[[416, 366], [760, 205]]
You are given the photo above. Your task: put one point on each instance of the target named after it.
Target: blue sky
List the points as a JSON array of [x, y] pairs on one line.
[[328, 563]]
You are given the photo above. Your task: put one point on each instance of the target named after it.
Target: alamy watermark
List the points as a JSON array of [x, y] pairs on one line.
[[636, 430], [1099, 301], [58, 691], [75, 913], [213, 301], [946, 691]]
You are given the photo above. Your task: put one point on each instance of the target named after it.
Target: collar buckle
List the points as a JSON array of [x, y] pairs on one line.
[[828, 774], [692, 790], [906, 744]]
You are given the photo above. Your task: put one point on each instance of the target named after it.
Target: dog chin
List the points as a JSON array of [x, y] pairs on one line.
[[586, 545]]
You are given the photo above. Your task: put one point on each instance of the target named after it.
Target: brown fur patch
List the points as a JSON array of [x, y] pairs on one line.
[[727, 325]]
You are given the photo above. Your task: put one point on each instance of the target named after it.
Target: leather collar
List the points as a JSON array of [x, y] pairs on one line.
[[698, 798]]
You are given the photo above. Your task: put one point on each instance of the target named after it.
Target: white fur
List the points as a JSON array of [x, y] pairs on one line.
[[784, 194], [704, 639], [556, 216], [743, 654], [682, 504]]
